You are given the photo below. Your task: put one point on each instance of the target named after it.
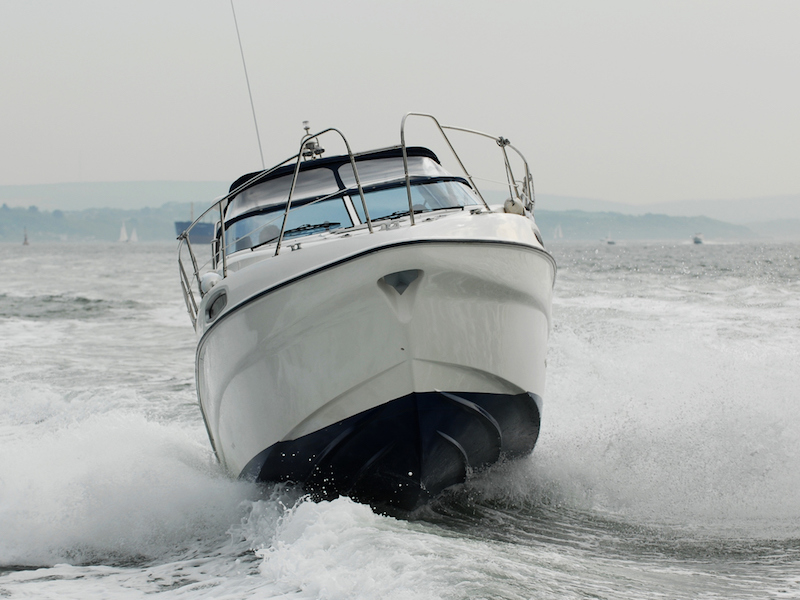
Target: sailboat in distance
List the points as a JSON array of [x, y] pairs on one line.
[[123, 233]]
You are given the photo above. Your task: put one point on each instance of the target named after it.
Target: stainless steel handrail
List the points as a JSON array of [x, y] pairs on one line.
[[297, 171], [502, 142], [452, 149], [186, 287], [219, 245]]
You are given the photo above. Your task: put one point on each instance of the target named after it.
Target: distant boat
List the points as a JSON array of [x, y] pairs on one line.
[[123, 234], [201, 233], [25, 237], [698, 238], [134, 237], [558, 234], [609, 241]]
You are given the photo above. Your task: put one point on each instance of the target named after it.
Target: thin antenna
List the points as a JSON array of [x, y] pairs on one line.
[[249, 92]]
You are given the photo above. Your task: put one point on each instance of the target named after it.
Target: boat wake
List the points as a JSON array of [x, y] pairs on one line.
[[666, 464], [111, 489]]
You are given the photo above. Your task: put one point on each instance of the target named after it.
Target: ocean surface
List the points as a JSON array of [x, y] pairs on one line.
[[668, 464]]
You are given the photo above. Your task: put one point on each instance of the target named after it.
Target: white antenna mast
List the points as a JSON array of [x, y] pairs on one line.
[[249, 92]]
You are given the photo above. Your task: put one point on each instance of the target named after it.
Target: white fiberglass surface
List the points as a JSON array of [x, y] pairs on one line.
[[424, 197], [339, 335]]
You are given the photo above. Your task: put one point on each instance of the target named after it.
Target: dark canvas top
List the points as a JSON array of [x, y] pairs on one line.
[[332, 162]]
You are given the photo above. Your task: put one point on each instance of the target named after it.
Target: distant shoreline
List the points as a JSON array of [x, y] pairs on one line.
[[69, 212], [158, 224]]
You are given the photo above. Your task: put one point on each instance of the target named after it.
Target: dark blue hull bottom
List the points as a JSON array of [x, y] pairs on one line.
[[404, 452]]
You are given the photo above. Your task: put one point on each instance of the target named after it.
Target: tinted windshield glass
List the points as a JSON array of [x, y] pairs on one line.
[[320, 182], [314, 183], [424, 197], [382, 170], [303, 220]]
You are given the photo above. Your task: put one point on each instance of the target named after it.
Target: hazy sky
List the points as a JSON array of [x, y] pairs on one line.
[[628, 100]]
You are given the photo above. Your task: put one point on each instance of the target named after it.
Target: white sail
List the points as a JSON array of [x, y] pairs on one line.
[[134, 237], [123, 234]]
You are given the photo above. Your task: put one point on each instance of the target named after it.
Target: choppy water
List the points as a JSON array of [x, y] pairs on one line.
[[668, 465]]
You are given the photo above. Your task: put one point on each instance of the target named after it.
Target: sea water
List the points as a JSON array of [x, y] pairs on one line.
[[668, 464]]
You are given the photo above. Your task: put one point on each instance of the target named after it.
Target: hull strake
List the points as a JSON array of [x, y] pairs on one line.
[[402, 453]]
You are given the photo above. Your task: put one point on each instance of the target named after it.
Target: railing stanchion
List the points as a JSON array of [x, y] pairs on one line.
[[297, 173], [405, 167], [501, 141], [188, 295], [194, 264], [441, 129], [222, 241]]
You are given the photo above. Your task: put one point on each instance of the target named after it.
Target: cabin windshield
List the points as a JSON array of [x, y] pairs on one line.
[[322, 196], [330, 179], [385, 170], [305, 218], [314, 183], [425, 197]]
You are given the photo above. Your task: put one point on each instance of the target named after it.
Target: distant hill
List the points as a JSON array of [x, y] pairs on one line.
[[124, 195], [787, 229], [132, 195], [761, 214], [742, 211], [582, 225], [93, 224], [154, 224], [96, 211]]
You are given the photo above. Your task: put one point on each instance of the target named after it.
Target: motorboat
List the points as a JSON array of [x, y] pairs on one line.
[[369, 324]]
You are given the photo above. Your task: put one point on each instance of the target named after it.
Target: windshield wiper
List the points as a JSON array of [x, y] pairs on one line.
[[309, 227], [394, 215]]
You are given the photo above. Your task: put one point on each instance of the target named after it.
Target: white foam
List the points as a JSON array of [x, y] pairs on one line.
[[113, 485], [679, 410], [341, 549]]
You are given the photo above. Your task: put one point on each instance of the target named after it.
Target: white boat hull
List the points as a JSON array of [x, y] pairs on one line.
[[348, 382]]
